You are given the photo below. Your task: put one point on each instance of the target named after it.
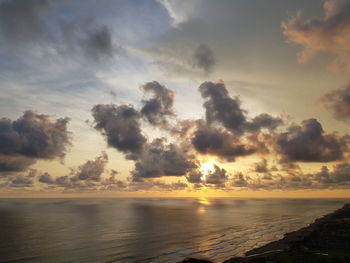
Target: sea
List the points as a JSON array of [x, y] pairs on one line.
[[148, 230]]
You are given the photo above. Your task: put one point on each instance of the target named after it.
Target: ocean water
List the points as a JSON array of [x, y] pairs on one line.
[[147, 230]]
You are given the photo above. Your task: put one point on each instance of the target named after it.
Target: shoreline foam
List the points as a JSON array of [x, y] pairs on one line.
[[327, 239]]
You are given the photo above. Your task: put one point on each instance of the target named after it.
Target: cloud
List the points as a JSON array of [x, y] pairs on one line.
[[91, 170], [339, 175], [155, 185], [309, 143], [32, 136], [264, 120], [338, 103], [86, 176], [178, 11], [111, 183], [328, 34], [227, 132], [21, 181], [294, 179], [121, 127], [23, 21], [170, 186], [239, 180], [38, 25], [157, 108], [217, 177], [203, 58], [223, 109], [14, 164], [161, 159], [261, 167], [46, 178], [98, 44], [216, 141], [194, 177]]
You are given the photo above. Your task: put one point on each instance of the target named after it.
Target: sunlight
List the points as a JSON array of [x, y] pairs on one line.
[[206, 169]]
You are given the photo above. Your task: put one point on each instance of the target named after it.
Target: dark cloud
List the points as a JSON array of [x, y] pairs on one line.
[[121, 127], [21, 181], [63, 181], [215, 141], [195, 177], [336, 178], [155, 185], [23, 21], [264, 120], [46, 178], [98, 44], [338, 103], [261, 167], [239, 180], [71, 183], [111, 183], [114, 172], [161, 159], [328, 34], [14, 163], [87, 176], [160, 105], [91, 170], [32, 136], [35, 22], [223, 109], [203, 58], [217, 177], [339, 175], [170, 186], [309, 143], [24, 180]]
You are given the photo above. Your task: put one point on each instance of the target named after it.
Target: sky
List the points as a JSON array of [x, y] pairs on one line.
[[174, 98]]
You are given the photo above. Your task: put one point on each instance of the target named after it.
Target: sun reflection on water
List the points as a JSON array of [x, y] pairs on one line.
[[203, 203]]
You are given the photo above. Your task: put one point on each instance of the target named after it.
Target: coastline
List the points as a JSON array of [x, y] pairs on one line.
[[327, 239]]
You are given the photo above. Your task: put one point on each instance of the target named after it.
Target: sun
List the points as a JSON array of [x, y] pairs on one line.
[[206, 169]]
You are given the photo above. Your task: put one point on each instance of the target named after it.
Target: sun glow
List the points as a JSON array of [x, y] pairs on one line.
[[206, 169]]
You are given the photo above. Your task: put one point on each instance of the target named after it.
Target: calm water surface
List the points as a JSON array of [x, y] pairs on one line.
[[146, 230]]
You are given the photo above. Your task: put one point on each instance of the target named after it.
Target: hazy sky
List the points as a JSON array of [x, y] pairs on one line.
[[175, 98]]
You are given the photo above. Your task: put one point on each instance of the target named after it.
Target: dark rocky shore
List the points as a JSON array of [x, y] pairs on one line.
[[325, 240]]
